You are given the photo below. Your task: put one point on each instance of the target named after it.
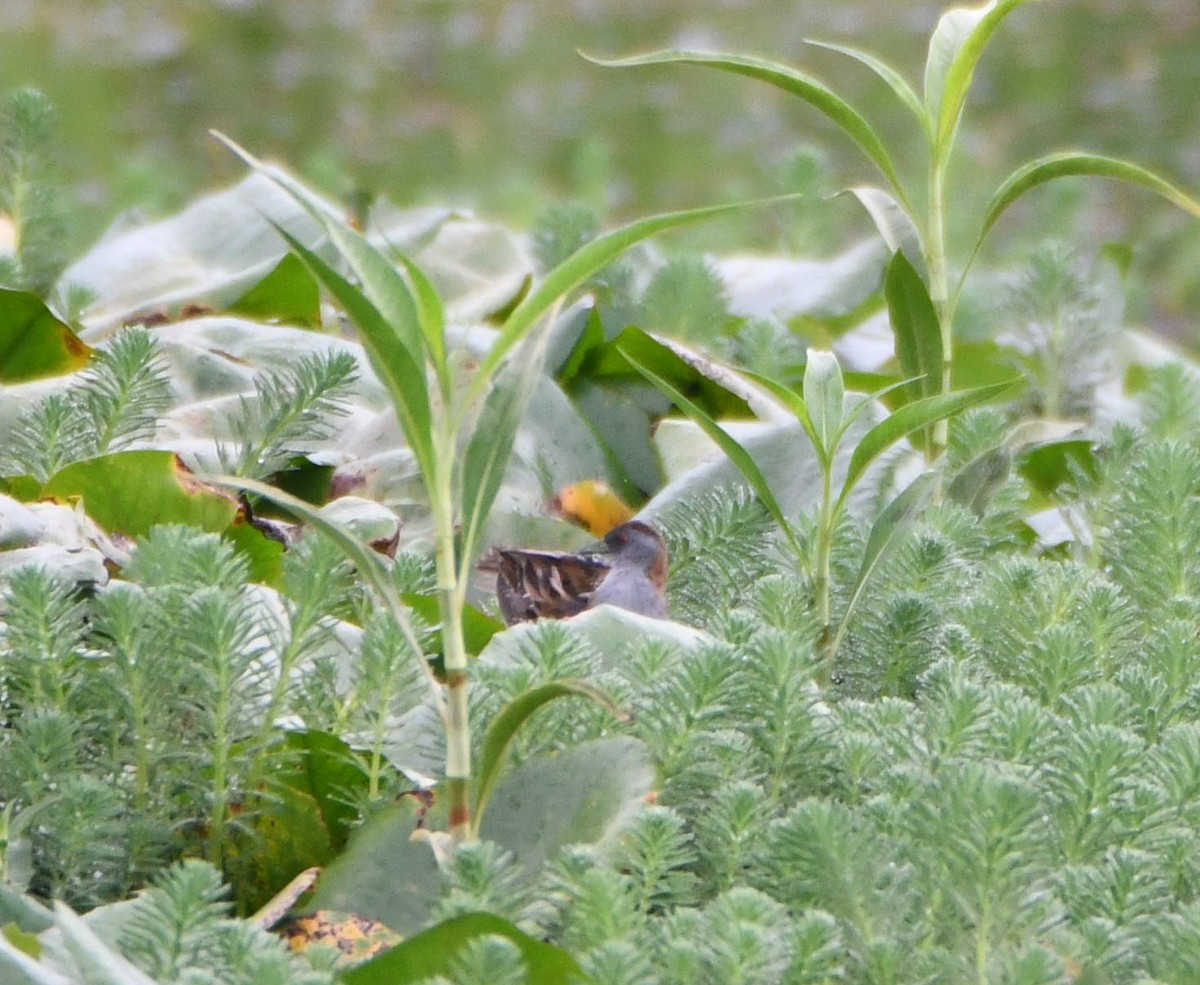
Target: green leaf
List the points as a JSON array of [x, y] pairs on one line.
[[893, 222], [431, 316], [909, 418], [104, 965], [289, 293], [915, 324], [886, 532], [393, 361], [825, 398], [384, 873], [131, 491], [486, 458], [431, 953], [586, 794], [381, 282], [980, 479], [1047, 466], [954, 50], [790, 399], [1070, 164], [504, 727], [899, 85], [614, 360], [478, 628], [33, 342], [579, 266], [735, 452], [329, 771], [790, 80]]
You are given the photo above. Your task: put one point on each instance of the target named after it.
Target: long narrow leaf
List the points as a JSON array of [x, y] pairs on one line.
[[899, 85], [1071, 164], [403, 377], [504, 728], [886, 531], [791, 400], [915, 326], [909, 418], [380, 280], [811, 90], [431, 315], [895, 225], [580, 265], [825, 398], [488, 452], [735, 452]]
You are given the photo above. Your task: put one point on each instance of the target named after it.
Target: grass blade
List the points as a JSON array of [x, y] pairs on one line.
[[899, 85], [393, 361], [790, 80], [1072, 164]]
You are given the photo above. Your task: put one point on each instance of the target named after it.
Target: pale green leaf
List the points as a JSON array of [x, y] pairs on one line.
[[825, 398], [915, 324]]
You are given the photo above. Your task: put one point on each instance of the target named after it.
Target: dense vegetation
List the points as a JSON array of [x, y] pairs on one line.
[[926, 708]]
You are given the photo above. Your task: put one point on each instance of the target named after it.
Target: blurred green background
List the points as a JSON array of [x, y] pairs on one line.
[[486, 104]]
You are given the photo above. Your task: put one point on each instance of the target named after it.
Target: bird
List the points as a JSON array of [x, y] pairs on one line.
[[628, 569]]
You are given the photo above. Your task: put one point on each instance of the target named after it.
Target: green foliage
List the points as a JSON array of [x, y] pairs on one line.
[[117, 401], [28, 193], [293, 405]]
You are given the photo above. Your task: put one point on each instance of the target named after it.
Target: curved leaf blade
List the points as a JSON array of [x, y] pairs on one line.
[[885, 534], [898, 84], [431, 954], [909, 418], [825, 398], [734, 451], [895, 226], [1072, 164], [790, 80], [580, 265], [502, 731], [392, 360], [34, 343]]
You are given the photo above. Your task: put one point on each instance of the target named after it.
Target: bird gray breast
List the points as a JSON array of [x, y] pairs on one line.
[[629, 588]]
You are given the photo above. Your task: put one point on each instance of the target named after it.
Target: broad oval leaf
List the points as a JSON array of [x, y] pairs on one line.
[[504, 727], [587, 794], [909, 418], [916, 327], [33, 342], [812, 91], [1071, 164], [289, 293], [132, 491]]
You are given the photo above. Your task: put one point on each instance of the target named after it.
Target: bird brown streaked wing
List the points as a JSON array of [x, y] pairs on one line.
[[544, 584]]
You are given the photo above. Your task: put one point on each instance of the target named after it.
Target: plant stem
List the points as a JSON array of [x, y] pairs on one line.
[[939, 290], [824, 567], [451, 596]]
